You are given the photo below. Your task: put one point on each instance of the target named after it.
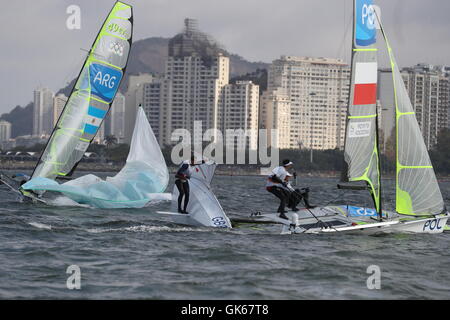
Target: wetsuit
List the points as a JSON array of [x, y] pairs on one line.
[[297, 195], [181, 181]]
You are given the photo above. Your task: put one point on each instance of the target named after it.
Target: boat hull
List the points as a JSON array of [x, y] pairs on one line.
[[196, 220], [398, 225], [353, 220]]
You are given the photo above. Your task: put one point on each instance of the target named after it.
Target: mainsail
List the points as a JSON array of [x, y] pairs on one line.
[[92, 96], [417, 189], [361, 140]]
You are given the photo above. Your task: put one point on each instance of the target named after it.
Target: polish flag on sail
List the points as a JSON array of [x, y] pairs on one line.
[[366, 74]]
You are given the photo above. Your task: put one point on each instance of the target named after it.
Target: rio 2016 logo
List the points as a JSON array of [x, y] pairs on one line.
[[219, 222]]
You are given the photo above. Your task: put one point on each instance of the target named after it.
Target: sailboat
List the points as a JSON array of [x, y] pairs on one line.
[[140, 182], [420, 207], [203, 207], [80, 120]]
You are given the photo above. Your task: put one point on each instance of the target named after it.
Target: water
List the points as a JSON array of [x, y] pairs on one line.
[[131, 254]]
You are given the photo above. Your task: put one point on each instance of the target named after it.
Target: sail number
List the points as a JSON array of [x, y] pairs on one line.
[[432, 225], [219, 222], [114, 27]]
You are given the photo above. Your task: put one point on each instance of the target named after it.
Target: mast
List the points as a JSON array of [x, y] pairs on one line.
[[91, 97], [361, 140]]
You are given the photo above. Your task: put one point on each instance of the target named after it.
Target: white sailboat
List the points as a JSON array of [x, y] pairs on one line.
[[420, 207], [203, 207], [145, 176]]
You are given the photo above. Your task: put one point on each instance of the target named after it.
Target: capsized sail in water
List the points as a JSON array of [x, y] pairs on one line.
[[141, 181], [203, 207]]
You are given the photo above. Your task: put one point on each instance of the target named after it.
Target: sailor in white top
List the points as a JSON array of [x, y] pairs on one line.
[[277, 184]]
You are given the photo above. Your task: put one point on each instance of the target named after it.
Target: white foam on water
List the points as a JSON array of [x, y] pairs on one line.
[[40, 225], [148, 229], [65, 202]]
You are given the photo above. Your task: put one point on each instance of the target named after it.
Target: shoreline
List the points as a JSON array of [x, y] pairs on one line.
[[237, 170]]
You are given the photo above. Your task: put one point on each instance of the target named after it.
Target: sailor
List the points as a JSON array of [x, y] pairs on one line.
[[181, 181], [296, 196], [277, 184], [21, 178]]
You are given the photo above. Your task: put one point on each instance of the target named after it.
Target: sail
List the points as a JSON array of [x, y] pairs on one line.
[[92, 96], [361, 139], [203, 206], [417, 189], [143, 179]]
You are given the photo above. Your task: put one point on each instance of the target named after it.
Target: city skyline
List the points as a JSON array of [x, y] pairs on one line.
[[54, 65]]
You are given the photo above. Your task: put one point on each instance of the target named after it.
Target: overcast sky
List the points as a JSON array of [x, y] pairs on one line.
[[38, 49]]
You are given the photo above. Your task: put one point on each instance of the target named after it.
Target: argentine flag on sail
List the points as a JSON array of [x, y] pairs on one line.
[[93, 119]]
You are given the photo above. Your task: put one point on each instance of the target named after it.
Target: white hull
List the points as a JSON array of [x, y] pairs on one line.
[[339, 220], [196, 220], [424, 226]]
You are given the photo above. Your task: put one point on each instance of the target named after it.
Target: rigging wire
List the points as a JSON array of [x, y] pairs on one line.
[[346, 29]]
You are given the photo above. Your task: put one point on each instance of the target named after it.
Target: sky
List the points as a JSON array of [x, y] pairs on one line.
[[37, 49]]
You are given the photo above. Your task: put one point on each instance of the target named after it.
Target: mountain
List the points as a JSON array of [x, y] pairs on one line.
[[21, 119], [146, 56], [258, 77], [150, 55]]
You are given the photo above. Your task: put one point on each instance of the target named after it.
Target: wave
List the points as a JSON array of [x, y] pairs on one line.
[[65, 202], [40, 225], [148, 229]]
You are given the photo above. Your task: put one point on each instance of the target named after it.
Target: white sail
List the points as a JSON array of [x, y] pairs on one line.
[[143, 179], [203, 207], [417, 189]]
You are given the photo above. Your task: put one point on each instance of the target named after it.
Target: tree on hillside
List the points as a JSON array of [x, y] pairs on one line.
[[110, 140]]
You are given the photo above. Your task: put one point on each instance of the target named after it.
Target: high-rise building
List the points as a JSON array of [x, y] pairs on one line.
[[43, 112], [58, 105], [240, 110], [133, 97], [428, 89], [5, 130], [444, 100], [100, 136], [275, 114], [115, 122], [318, 89], [153, 97], [385, 94], [196, 72]]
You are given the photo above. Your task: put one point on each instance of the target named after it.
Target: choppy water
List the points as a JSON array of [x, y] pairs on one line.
[[131, 254]]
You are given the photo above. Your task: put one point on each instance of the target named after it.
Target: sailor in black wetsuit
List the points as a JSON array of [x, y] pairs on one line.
[[181, 181], [278, 184]]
